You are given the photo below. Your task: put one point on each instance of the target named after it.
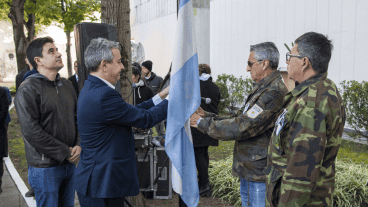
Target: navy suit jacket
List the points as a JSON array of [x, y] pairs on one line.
[[105, 123]]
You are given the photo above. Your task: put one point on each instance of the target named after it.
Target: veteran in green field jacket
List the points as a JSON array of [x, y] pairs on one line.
[[252, 128], [301, 156]]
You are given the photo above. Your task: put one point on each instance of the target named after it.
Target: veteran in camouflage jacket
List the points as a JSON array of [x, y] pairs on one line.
[[301, 156], [252, 129]]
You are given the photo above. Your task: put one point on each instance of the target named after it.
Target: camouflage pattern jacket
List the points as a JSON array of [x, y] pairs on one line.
[[252, 129], [303, 148]]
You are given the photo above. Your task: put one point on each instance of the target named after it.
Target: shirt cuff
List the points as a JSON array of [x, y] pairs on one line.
[[199, 120], [156, 99]]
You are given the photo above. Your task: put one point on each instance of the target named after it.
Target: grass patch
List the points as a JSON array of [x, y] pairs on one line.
[[353, 152], [17, 153], [222, 151]]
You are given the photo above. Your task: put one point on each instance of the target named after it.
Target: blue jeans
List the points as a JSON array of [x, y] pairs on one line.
[[53, 186], [257, 193]]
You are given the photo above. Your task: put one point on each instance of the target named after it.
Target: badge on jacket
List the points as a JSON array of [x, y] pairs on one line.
[[254, 111], [280, 123], [246, 108]]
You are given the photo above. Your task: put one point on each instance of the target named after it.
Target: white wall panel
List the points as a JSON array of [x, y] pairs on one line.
[[280, 30], [225, 48], [362, 16], [271, 20], [299, 17], [289, 21], [347, 39], [157, 38], [236, 24], [322, 21], [262, 23], [310, 16], [243, 35], [255, 20], [335, 62], [234, 10], [212, 31], [360, 65]]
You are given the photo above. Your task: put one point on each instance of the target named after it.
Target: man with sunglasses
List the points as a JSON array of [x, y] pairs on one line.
[[252, 127], [305, 142]]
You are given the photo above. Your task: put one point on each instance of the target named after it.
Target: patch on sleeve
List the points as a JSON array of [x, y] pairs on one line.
[[254, 111]]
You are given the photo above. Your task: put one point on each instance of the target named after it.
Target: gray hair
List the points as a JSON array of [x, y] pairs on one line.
[[266, 51], [317, 48], [98, 50]]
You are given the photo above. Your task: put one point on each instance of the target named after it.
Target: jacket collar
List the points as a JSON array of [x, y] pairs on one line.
[[153, 75], [266, 81], [204, 77], [100, 81], [140, 83], [40, 76], [305, 84]]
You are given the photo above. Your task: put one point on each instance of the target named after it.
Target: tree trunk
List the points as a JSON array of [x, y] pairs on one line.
[[68, 55], [116, 12], [16, 15]]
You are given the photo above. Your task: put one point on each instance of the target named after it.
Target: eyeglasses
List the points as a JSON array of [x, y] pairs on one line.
[[250, 64], [288, 56]]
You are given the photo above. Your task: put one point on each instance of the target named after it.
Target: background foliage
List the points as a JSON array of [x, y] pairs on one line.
[[355, 97], [351, 174], [233, 92]]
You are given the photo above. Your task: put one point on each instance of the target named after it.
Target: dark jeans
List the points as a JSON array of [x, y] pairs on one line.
[[202, 162], [1, 171]]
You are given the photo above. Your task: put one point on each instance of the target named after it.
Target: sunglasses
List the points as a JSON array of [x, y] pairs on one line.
[[250, 64]]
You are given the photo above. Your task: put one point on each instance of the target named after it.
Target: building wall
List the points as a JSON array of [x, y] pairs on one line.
[[153, 23], [237, 24], [7, 45]]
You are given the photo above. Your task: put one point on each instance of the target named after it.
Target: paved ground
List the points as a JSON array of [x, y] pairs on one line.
[[11, 196]]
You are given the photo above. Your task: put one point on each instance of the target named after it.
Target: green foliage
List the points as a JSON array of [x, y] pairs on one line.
[[66, 13], [355, 97], [74, 12], [287, 47], [351, 177], [224, 185], [222, 151], [355, 152], [233, 91], [44, 11], [351, 184], [12, 90]]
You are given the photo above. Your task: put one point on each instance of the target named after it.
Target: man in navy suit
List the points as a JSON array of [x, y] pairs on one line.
[[107, 171]]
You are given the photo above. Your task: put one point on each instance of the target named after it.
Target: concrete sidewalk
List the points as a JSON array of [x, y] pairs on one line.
[[10, 196]]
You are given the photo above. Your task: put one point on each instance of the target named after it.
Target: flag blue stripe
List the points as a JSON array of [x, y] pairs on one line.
[[185, 78], [182, 3], [188, 173], [184, 101]]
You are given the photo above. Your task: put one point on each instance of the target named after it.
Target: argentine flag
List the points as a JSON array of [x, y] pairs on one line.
[[185, 98]]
